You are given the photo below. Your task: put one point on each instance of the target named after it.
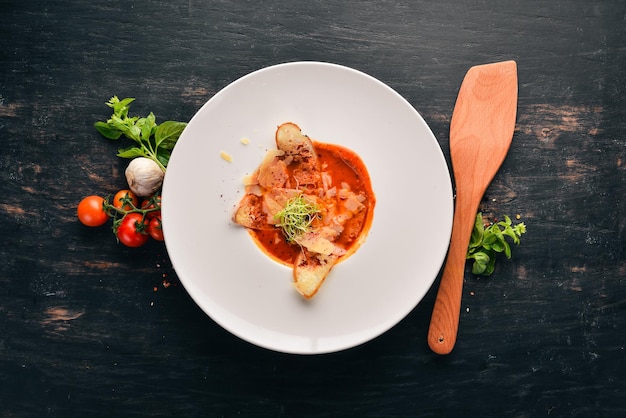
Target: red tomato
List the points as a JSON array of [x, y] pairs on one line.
[[132, 231], [148, 204], [155, 229], [124, 198], [91, 212]]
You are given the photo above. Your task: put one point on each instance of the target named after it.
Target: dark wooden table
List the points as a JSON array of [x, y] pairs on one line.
[[91, 328]]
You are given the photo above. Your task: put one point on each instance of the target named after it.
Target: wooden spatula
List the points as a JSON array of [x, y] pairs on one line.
[[481, 131]]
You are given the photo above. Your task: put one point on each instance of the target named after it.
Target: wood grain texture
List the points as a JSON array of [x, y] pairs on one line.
[[83, 331], [481, 131]]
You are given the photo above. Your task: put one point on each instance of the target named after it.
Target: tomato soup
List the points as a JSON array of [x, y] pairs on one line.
[[341, 169]]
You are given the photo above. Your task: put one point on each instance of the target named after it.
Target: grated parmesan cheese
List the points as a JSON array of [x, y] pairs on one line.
[[226, 156]]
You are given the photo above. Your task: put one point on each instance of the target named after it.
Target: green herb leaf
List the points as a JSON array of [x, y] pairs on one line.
[[481, 260], [152, 140], [167, 133], [131, 152], [107, 130], [490, 267], [121, 107], [164, 156], [477, 232], [147, 126], [487, 242]]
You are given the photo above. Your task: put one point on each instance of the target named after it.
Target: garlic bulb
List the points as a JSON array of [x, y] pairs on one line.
[[144, 176]]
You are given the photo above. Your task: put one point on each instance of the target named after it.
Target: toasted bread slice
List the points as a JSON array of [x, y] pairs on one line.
[[250, 213], [310, 271], [300, 155], [289, 138]]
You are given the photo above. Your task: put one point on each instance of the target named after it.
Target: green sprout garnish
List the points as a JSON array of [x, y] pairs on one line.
[[296, 217], [486, 242]]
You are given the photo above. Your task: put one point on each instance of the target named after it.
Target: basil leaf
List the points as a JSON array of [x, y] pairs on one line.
[[107, 130], [498, 246], [491, 266], [511, 233], [121, 108], [147, 126], [481, 260], [164, 156], [130, 152], [167, 133], [477, 232], [119, 124], [489, 238], [482, 257], [478, 268], [507, 249]]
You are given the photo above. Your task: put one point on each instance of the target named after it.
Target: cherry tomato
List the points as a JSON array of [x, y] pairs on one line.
[[123, 198], [155, 229], [91, 212], [147, 204], [131, 231]]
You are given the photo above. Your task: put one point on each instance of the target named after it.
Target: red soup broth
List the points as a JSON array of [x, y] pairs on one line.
[[344, 166]]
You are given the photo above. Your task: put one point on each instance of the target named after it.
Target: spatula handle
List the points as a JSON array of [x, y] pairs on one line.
[[444, 323]]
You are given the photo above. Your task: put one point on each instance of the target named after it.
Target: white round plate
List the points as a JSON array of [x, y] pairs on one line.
[[238, 285]]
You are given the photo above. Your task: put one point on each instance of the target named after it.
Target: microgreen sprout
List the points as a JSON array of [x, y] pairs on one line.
[[296, 217]]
